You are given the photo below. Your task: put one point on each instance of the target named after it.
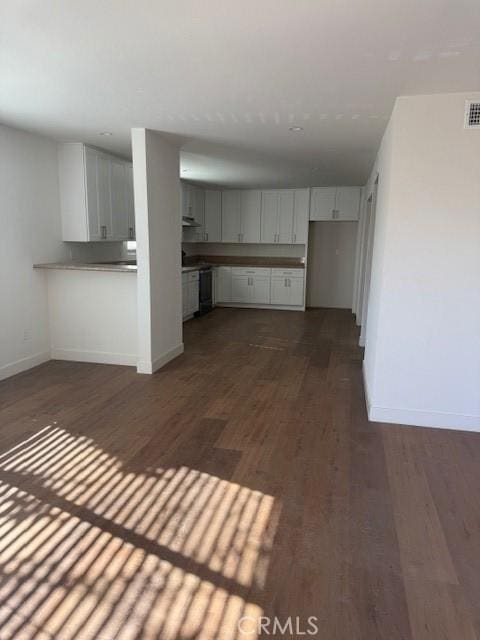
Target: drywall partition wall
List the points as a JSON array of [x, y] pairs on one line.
[[31, 233], [422, 358], [158, 233], [331, 264]]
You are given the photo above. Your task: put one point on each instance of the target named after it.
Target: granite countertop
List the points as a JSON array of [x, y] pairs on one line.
[[196, 263], [90, 266]]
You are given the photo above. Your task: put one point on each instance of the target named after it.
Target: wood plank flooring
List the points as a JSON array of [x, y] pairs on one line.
[[242, 480]]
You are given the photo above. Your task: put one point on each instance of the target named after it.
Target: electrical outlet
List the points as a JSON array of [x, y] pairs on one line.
[[26, 335]]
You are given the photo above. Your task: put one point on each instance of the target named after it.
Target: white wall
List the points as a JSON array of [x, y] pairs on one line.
[[422, 357], [93, 316], [158, 232], [31, 233], [331, 264]]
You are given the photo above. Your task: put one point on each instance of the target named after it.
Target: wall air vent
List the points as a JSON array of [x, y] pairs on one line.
[[472, 115]]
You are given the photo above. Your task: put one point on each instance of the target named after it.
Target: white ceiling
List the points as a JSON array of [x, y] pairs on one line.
[[231, 77]]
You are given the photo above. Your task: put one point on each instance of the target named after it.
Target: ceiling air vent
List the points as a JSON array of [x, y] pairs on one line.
[[472, 115]]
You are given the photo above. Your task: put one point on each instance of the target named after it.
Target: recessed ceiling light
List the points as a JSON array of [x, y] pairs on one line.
[[295, 128], [106, 133]]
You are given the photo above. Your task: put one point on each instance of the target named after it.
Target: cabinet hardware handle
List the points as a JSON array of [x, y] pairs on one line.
[[103, 232], [206, 237], [286, 282], [294, 237], [130, 233]]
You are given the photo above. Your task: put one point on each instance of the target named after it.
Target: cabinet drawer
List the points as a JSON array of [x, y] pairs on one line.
[[290, 273], [251, 271], [193, 276]]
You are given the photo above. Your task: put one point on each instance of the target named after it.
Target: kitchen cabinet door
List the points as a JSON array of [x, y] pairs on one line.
[[199, 212], [187, 200], [213, 216], [347, 204], [300, 216], [241, 288], [269, 217], [259, 290], [91, 180], [322, 204], [118, 188], [279, 291], [250, 207], [130, 202], [104, 197], [193, 297], [223, 283], [231, 219], [285, 216], [295, 291]]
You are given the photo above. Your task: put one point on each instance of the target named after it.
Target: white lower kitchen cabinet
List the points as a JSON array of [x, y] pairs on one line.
[[190, 293], [259, 287], [287, 287], [223, 284], [287, 292], [240, 288]]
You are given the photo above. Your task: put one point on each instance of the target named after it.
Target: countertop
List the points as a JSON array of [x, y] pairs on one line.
[[198, 262], [89, 266]]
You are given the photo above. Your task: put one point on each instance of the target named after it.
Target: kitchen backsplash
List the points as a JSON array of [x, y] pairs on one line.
[[96, 251], [260, 250]]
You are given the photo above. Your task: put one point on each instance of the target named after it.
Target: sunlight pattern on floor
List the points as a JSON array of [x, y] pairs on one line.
[[92, 550]]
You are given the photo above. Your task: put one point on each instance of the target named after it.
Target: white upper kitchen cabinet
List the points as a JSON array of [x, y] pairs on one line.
[[187, 200], [301, 209], [118, 185], [285, 216], [241, 215], [199, 212], [335, 203], [250, 207], [322, 204], [93, 194], [277, 216], [231, 217], [213, 216], [269, 217], [347, 203], [130, 201]]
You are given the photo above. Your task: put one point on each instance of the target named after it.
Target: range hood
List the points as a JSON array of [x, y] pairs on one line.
[[190, 222]]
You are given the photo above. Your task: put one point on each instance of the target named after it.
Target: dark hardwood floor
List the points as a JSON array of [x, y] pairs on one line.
[[242, 480]]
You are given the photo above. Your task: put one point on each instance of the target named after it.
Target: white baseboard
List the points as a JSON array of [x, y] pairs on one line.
[[417, 418], [274, 307], [99, 357], [23, 364], [150, 367]]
